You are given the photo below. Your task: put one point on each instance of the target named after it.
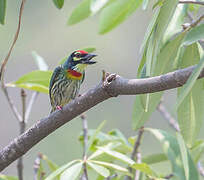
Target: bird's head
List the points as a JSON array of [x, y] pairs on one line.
[[79, 60]]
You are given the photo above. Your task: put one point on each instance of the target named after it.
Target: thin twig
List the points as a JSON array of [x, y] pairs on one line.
[[30, 105], [36, 167], [139, 160], [191, 2], [85, 134], [168, 176], [200, 169], [111, 177], [137, 143], [22, 125], [135, 152], [119, 86], [172, 122], [3, 66]]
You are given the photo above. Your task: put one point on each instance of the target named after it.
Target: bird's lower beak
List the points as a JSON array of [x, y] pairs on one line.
[[88, 59]]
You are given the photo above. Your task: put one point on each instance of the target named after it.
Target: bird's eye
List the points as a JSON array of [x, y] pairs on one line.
[[77, 55]]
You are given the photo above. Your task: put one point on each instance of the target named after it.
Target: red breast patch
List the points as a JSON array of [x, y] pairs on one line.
[[74, 73]]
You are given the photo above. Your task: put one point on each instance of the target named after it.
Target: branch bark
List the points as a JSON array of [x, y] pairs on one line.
[[113, 85]]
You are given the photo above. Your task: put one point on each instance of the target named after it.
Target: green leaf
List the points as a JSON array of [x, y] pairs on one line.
[[99, 169], [190, 82], [190, 100], [194, 35], [111, 165], [175, 25], [91, 140], [59, 3], [58, 171], [154, 158], [184, 154], [4, 177], [165, 15], [40, 61], [35, 80], [97, 5], [143, 168], [197, 150], [72, 172], [2, 11], [172, 149], [53, 167], [81, 12], [145, 4], [117, 155], [116, 13], [87, 49], [117, 133], [149, 30], [165, 63]]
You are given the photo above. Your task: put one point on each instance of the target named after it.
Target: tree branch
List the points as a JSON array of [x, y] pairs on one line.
[[191, 2], [114, 85]]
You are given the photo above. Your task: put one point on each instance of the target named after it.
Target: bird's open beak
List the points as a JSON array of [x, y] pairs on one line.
[[88, 59]]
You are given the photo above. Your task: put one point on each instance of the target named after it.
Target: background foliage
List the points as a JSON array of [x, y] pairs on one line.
[[166, 47]]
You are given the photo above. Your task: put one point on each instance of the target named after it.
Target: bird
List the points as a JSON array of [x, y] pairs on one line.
[[67, 78]]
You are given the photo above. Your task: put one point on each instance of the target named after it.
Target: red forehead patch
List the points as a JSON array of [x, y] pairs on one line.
[[82, 52]]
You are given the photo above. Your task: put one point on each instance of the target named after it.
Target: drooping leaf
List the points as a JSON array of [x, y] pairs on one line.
[[116, 13], [197, 150], [143, 168], [194, 35], [117, 133], [4, 177], [165, 63], [42, 65], [99, 169], [59, 3], [184, 155], [81, 12], [97, 5], [175, 25], [190, 112], [154, 158], [35, 80], [61, 169], [145, 4], [90, 141], [149, 30], [117, 155], [111, 165], [190, 82], [53, 166], [172, 150], [72, 172], [2, 11]]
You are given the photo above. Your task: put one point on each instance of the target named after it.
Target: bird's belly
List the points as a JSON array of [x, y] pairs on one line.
[[70, 92]]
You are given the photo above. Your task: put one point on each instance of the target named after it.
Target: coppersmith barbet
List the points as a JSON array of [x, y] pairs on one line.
[[67, 78]]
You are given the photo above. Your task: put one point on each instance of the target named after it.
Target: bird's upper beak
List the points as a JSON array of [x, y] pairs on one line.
[[88, 59]]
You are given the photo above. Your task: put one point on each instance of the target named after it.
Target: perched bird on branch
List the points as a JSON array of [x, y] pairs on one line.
[[67, 78]]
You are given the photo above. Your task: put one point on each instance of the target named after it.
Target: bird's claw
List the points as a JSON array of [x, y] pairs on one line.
[[59, 107]]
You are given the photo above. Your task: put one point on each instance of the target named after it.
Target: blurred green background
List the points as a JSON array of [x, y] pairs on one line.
[[44, 30]]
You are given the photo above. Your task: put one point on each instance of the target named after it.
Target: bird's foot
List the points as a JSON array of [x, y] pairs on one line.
[[59, 107]]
